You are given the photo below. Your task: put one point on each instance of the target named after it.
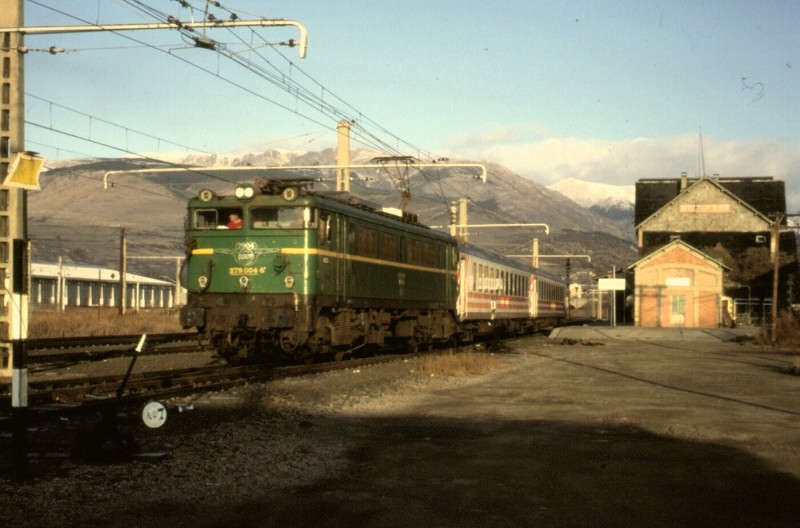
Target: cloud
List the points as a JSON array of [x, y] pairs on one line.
[[537, 154]]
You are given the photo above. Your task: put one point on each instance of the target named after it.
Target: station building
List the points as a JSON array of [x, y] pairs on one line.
[[684, 228], [56, 286], [678, 286]]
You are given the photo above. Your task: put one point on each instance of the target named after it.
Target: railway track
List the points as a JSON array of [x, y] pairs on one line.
[[90, 392], [70, 350]]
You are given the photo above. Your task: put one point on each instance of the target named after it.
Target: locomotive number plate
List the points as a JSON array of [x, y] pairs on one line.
[[247, 270]]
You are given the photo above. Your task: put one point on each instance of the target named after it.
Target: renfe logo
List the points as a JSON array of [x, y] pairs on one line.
[[246, 253]]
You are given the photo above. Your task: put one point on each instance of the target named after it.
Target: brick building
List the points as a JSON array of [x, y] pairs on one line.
[[731, 220], [678, 286]]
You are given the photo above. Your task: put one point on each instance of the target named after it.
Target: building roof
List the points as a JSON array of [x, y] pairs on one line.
[[721, 188], [90, 273], [669, 247], [762, 193]]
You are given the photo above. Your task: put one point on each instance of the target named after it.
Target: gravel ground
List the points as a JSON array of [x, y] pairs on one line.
[[623, 434], [276, 436]]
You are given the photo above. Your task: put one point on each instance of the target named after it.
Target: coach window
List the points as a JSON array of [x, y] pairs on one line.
[[324, 229], [352, 242], [429, 255], [388, 248], [368, 242], [474, 277], [414, 252]]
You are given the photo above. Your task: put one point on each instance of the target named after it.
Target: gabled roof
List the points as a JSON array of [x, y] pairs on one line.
[[669, 247], [763, 193], [705, 180]]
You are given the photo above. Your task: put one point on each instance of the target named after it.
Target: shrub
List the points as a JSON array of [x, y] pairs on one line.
[[459, 364], [79, 322]]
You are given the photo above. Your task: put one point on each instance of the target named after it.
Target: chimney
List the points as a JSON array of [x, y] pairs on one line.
[[683, 181]]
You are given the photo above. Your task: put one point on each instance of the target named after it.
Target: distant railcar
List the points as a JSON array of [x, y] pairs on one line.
[[500, 294], [277, 268]]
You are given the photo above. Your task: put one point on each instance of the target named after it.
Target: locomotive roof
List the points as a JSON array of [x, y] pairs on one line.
[[350, 204], [340, 201]]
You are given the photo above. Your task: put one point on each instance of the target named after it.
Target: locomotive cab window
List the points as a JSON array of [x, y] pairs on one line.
[[282, 218], [221, 218]]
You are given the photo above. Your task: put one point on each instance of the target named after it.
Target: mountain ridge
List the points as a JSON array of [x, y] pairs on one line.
[[76, 217]]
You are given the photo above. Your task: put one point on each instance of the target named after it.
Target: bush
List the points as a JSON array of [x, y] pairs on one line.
[[80, 322], [459, 364]]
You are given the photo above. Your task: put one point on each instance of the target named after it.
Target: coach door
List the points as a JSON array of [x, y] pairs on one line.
[[533, 298], [345, 235]]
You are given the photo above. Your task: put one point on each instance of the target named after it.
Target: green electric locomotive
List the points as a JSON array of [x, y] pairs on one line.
[[280, 269]]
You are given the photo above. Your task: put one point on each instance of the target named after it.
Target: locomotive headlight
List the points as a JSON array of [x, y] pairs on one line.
[[202, 281], [206, 195], [244, 192]]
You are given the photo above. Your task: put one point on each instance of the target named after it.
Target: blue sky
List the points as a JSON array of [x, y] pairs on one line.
[[601, 91]]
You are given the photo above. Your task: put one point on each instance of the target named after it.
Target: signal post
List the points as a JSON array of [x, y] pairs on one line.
[[18, 175], [13, 244]]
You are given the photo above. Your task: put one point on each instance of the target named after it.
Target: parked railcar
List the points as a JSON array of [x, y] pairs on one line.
[[498, 294], [279, 268]]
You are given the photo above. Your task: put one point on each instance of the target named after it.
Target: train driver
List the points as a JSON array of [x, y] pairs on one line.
[[234, 221]]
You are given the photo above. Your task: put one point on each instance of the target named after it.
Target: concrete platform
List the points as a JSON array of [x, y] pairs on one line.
[[634, 333]]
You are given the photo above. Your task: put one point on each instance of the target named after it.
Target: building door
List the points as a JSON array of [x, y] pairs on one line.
[[678, 310]]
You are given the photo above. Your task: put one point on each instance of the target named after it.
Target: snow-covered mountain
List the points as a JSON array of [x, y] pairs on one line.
[[588, 194], [614, 202]]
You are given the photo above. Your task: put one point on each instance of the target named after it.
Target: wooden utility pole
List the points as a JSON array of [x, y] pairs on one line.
[[775, 246], [123, 271]]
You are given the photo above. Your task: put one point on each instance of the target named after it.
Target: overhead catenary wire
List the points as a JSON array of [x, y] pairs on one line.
[[282, 80], [363, 133], [92, 117], [140, 155]]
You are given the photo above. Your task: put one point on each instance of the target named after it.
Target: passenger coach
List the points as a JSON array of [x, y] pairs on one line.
[[495, 291]]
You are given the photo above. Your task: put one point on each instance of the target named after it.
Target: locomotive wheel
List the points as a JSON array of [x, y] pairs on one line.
[[289, 341], [222, 345], [232, 347], [417, 342]]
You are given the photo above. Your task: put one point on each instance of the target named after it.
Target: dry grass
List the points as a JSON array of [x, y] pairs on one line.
[[787, 331], [459, 364], [76, 322], [787, 337]]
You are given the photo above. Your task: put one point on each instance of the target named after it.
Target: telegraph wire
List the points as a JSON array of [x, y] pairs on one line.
[[123, 127], [285, 82], [140, 155], [282, 80], [369, 140]]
